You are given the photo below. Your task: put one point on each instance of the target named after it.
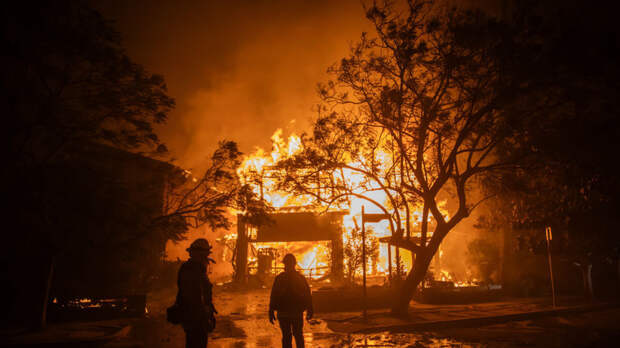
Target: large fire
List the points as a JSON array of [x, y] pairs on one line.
[[313, 257]]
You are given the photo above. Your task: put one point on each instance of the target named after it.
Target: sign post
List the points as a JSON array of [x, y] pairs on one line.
[[549, 237], [367, 218], [364, 304]]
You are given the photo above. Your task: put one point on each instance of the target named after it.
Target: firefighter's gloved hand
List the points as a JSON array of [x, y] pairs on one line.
[[272, 316], [309, 314]]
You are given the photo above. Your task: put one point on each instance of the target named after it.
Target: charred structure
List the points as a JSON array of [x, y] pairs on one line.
[[97, 239], [290, 227]]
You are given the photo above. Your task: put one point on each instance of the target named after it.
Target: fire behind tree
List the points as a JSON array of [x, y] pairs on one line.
[[415, 114], [306, 225]]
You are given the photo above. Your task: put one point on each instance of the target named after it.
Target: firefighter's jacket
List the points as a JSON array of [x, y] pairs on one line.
[[290, 295], [195, 294]]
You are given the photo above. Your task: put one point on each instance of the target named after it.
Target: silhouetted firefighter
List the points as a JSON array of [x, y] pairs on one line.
[[290, 297], [194, 300]]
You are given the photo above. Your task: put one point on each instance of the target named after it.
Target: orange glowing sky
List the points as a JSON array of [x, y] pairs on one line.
[[238, 69]]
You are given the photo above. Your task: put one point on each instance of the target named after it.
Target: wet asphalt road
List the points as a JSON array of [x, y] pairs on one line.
[[243, 323]]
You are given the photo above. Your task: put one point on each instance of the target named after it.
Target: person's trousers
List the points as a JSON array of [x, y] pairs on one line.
[[292, 327], [196, 338]]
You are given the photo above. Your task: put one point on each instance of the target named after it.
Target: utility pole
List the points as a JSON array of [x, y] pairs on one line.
[[241, 256], [390, 262]]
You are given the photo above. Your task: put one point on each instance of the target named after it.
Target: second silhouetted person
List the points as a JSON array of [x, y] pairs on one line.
[[290, 297]]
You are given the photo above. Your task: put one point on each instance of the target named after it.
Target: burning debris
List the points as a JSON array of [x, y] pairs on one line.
[[98, 308]]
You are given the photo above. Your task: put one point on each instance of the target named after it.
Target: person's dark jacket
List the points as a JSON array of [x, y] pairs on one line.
[[195, 294], [290, 294]]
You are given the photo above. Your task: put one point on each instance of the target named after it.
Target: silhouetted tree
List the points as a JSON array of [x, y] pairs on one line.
[[415, 113], [195, 201], [69, 84], [569, 180], [67, 81], [353, 252]]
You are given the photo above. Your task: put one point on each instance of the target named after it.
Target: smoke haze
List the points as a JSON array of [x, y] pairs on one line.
[[238, 69]]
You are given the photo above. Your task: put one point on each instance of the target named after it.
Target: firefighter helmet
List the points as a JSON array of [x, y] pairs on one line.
[[200, 244]]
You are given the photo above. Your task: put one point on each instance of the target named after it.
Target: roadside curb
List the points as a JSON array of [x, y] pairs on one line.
[[478, 321], [122, 333]]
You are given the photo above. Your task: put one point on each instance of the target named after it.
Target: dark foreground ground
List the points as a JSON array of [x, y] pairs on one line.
[[594, 329], [242, 323]]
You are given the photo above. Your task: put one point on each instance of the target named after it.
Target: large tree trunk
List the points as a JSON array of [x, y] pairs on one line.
[[586, 276], [410, 284], [42, 322], [586, 271], [618, 266], [424, 255], [241, 248]]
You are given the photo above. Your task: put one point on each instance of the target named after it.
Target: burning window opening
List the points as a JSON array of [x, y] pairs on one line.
[[314, 258]]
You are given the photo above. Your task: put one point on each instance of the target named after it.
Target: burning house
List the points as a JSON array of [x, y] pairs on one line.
[[328, 236], [326, 240]]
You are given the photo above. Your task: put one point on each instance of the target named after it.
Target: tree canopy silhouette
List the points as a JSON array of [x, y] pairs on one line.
[[68, 78], [77, 110], [569, 178], [416, 112]]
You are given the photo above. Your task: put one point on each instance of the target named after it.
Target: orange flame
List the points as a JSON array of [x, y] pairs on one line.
[[255, 169]]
